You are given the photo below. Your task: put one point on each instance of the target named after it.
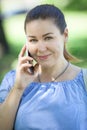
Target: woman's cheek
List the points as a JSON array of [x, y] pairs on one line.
[[32, 49]]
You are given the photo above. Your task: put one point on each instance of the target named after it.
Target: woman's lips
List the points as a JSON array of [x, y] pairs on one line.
[[44, 57]]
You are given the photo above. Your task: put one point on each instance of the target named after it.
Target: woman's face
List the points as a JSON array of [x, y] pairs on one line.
[[45, 42]]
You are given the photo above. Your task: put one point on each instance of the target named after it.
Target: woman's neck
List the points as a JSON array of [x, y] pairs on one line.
[[47, 74]]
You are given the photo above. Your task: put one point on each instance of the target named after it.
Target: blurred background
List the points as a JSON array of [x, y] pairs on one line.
[[12, 36]]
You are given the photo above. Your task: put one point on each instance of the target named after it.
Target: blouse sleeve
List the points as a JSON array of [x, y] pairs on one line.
[[85, 77], [6, 85]]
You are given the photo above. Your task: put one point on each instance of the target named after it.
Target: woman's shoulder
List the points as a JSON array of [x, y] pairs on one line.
[[72, 72], [10, 74], [9, 78], [77, 69], [6, 84], [84, 70]]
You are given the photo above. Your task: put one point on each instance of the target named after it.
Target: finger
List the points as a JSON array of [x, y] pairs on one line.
[[36, 67], [25, 66], [22, 52], [26, 59]]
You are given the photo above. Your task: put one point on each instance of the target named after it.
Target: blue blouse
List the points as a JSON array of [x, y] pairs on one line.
[[50, 105]]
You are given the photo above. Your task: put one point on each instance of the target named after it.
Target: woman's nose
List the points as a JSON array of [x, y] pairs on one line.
[[42, 47]]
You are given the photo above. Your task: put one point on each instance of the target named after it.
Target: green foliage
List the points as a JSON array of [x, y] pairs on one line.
[[75, 5], [80, 5], [78, 48]]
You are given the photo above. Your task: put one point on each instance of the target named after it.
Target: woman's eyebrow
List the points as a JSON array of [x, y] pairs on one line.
[[42, 35], [46, 34], [31, 36]]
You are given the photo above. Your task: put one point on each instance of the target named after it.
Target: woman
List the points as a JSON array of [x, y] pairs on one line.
[[51, 96]]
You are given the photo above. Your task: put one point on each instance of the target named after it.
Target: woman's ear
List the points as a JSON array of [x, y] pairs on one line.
[[65, 35]]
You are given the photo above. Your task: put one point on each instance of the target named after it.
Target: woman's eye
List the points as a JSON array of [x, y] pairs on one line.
[[48, 38], [33, 40]]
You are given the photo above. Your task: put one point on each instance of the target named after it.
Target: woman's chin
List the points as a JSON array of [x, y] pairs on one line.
[[46, 65]]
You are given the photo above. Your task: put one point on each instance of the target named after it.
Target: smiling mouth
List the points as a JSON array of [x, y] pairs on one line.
[[45, 57]]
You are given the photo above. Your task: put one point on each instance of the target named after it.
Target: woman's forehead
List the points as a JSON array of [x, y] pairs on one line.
[[46, 25]]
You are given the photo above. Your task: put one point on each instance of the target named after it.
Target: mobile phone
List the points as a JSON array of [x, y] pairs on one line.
[[31, 69]]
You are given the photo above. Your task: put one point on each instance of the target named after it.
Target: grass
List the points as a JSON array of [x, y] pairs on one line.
[[77, 43]]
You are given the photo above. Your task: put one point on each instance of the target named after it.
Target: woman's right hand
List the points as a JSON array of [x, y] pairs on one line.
[[23, 76]]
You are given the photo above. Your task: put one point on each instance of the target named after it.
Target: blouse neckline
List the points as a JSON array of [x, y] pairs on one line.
[[65, 81]]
